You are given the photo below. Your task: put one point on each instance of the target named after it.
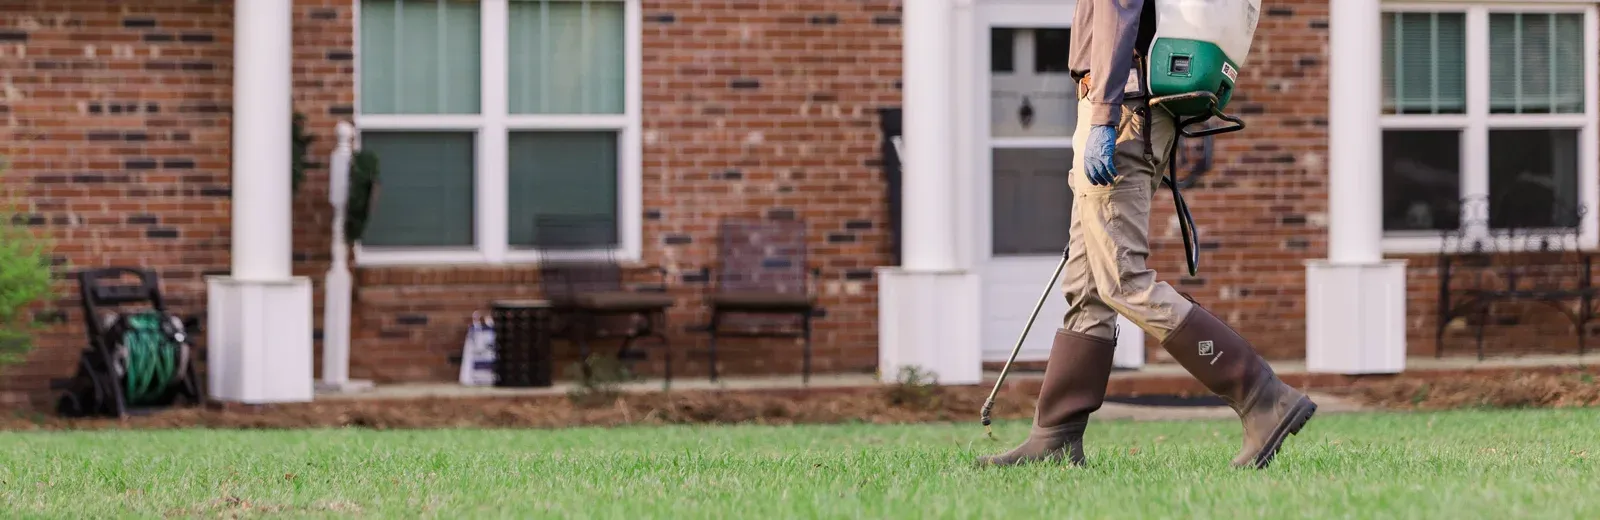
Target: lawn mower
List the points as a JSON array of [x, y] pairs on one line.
[[139, 360]]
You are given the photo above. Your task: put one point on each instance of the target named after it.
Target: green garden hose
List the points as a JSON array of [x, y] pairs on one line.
[[152, 358]]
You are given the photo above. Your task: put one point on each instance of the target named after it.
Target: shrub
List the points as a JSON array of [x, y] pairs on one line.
[[24, 279]]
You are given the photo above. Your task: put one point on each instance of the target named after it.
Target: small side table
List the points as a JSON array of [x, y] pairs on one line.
[[523, 356]]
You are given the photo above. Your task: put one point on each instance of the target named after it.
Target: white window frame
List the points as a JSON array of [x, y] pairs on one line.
[[491, 127], [1477, 122]]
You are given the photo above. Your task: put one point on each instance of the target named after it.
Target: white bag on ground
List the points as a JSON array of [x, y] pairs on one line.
[[477, 353]]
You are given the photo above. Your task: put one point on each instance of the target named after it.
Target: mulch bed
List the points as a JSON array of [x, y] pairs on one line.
[[886, 405], [872, 405], [1526, 390]]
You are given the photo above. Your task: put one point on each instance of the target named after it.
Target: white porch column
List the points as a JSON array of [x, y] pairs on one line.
[[1355, 300], [259, 317], [928, 307]]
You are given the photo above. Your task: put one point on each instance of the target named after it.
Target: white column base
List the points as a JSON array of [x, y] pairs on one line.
[[930, 320], [1356, 317], [259, 340], [1130, 345]]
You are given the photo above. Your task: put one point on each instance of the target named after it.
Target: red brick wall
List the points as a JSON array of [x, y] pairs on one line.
[[116, 128], [750, 109]]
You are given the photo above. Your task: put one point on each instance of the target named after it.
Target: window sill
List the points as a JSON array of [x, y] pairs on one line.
[[454, 257], [1411, 244]]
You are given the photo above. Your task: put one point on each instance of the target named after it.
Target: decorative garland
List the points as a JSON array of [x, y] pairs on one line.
[[302, 145], [363, 193]]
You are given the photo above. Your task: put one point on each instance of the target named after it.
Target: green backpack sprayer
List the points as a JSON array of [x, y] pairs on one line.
[[1195, 57], [1193, 64], [137, 360], [1191, 68]]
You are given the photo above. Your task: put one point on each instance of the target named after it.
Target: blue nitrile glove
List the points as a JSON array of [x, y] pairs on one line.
[[1097, 162]]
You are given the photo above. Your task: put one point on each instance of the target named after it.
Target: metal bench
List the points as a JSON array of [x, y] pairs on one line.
[[1484, 262]]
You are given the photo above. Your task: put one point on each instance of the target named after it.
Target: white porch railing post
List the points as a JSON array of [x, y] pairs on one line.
[[337, 285]]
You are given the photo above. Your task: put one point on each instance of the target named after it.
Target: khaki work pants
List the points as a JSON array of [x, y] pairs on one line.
[[1106, 273]]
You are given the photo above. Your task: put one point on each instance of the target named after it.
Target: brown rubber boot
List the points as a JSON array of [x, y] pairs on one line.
[[1224, 362], [1074, 386]]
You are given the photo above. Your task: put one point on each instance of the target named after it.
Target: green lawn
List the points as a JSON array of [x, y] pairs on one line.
[[1453, 465]]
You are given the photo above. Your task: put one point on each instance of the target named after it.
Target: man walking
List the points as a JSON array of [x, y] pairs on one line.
[[1121, 146]]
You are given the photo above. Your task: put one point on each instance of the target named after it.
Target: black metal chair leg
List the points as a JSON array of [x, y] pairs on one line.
[[584, 323], [1438, 341], [666, 347], [713, 346], [805, 374], [1483, 322]]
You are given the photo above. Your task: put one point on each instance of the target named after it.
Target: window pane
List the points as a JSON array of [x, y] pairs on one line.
[[1031, 99], [1536, 63], [425, 196], [1533, 178], [1424, 63], [561, 173], [1002, 49], [567, 57], [419, 56], [1421, 180], [1032, 203], [1050, 50]]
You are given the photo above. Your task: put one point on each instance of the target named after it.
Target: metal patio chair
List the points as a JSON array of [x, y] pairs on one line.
[[761, 273], [586, 288]]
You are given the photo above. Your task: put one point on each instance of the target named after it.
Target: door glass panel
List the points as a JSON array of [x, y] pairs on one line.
[[1030, 92], [1032, 203]]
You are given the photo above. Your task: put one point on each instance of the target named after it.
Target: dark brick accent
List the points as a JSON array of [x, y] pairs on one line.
[[1292, 220], [13, 36], [411, 319], [841, 238], [138, 23], [652, 214], [858, 274], [661, 18], [886, 19], [781, 214], [858, 225], [178, 164], [1319, 24], [143, 220], [158, 37], [677, 240], [161, 233], [745, 84], [732, 175], [324, 14], [197, 37], [139, 164], [824, 19], [1280, 11], [340, 55], [216, 191], [341, 110]]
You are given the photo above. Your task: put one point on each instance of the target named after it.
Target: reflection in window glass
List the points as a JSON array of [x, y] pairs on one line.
[[1421, 180]]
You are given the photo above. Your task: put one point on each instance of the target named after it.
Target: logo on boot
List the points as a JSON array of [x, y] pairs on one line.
[[1206, 348]]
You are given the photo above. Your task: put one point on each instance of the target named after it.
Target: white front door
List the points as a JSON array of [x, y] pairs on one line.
[[1027, 113]]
